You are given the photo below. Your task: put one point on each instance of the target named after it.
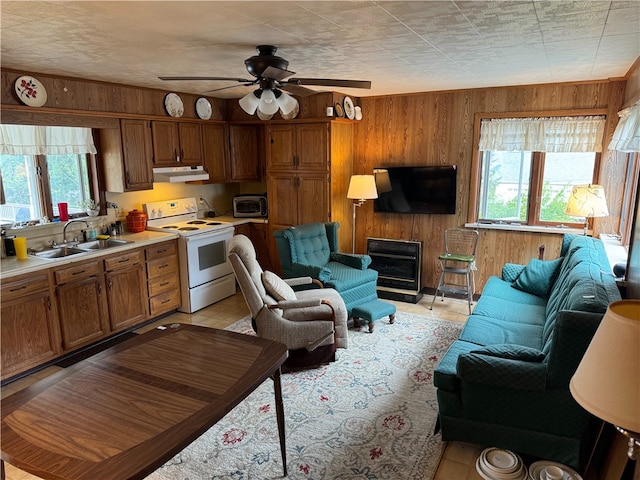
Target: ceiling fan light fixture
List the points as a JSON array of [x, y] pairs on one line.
[[249, 103], [286, 102], [268, 104]]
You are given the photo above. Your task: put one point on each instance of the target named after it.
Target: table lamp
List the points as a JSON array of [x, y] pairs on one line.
[[587, 201], [361, 188], [606, 382]]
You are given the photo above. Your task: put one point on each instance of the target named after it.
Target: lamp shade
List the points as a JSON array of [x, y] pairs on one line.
[[249, 103], [286, 103], [587, 201], [383, 182], [606, 382], [268, 104], [362, 187]]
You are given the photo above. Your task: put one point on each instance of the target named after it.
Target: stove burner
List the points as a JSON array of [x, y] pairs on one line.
[[188, 228], [196, 222], [171, 226], [214, 223]]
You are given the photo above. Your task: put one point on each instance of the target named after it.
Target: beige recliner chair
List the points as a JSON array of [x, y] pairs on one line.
[[311, 323]]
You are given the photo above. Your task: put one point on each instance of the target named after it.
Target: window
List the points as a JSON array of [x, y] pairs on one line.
[[43, 166], [531, 187], [526, 167]]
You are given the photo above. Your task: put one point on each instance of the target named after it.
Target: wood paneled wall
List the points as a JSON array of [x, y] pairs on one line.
[[436, 128]]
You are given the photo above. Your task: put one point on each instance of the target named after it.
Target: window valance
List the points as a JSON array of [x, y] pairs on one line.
[[626, 137], [39, 140], [552, 134]]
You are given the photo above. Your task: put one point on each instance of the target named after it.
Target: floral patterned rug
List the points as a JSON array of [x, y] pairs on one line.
[[369, 415]]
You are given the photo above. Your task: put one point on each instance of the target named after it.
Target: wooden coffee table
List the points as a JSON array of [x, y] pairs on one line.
[[124, 412]]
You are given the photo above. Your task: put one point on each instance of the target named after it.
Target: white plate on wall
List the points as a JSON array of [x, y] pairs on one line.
[[349, 109], [203, 108], [173, 104], [30, 91]]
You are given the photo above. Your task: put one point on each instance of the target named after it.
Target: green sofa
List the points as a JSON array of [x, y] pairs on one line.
[[505, 381]]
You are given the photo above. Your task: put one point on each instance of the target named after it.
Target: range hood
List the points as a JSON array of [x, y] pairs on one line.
[[179, 174]]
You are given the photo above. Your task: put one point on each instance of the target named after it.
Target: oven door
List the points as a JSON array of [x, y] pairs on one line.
[[206, 256]]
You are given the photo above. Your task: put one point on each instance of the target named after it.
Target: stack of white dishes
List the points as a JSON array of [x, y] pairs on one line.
[[498, 464], [544, 470]]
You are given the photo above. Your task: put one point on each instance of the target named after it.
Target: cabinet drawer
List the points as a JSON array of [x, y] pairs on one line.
[[77, 272], [124, 260], [165, 302], [162, 250], [163, 284], [24, 286], [162, 266]]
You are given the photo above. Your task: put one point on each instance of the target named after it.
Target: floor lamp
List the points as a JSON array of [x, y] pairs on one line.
[[587, 201], [361, 189]]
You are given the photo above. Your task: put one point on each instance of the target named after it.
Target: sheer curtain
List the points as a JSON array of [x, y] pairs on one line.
[[553, 134], [36, 140], [626, 137]]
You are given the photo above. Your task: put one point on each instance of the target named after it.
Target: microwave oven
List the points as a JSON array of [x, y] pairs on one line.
[[248, 205]]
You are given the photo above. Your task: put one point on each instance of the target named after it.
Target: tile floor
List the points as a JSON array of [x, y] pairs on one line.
[[458, 461]]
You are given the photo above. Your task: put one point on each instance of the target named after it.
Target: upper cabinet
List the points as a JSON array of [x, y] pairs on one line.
[[232, 153], [127, 155], [298, 147], [176, 143]]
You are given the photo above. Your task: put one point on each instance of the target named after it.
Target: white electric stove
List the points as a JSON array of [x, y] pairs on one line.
[[206, 275]]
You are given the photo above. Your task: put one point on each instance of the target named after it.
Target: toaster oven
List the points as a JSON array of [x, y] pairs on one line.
[[249, 205]]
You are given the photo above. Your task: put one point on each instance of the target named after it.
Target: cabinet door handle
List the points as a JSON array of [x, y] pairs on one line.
[[164, 284], [163, 266], [48, 302], [78, 272], [165, 301], [124, 260], [99, 285], [182, 153], [17, 289], [176, 156], [110, 285], [128, 176]]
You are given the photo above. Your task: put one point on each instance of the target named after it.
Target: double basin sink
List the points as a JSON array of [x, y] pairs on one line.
[[63, 251]]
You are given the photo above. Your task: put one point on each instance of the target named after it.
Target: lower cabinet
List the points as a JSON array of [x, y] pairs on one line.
[[126, 290], [29, 330], [163, 278], [82, 304]]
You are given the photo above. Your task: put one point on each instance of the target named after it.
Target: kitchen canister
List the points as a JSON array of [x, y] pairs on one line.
[[136, 221]]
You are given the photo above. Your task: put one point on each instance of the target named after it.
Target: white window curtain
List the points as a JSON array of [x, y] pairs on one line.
[[37, 140], [626, 137], [553, 134]]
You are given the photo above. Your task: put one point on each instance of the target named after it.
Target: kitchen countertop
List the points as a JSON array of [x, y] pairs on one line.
[[11, 266]]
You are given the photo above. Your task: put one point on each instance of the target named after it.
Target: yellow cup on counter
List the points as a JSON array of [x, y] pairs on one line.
[[20, 244]]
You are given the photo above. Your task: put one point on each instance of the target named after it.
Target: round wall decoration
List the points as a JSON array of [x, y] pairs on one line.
[[30, 91], [173, 104], [203, 108]]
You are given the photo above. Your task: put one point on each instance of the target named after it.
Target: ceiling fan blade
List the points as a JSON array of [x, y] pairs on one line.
[[327, 82], [297, 90], [230, 86], [231, 79], [277, 74]]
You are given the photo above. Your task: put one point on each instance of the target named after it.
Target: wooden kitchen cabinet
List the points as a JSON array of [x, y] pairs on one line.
[[244, 153], [215, 149], [82, 303], [163, 277], [298, 147], [176, 143], [127, 156], [126, 289], [297, 198], [29, 331]]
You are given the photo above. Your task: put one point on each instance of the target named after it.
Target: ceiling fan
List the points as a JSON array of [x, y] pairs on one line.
[[271, 75]]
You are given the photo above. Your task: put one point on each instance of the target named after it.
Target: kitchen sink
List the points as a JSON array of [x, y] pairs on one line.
[[102, 244], [59, 252]]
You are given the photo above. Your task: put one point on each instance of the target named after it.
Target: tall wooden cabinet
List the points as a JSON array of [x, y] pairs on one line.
[[308, 169], [232, 152]]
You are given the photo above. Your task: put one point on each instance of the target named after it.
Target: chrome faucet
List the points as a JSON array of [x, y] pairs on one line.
[[64, 230]]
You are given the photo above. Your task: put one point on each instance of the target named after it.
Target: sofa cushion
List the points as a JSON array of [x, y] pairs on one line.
[[508, 311], [512, 352], [490, 331], [445, 374], [538, 276], [498, 288], [276, 287]]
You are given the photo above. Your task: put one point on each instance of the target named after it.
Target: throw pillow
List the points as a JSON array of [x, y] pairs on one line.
[[276, 287], [538, 276], [512, 352], [510, 271]]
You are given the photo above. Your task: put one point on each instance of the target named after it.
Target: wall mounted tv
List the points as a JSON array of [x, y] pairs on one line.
[[429, 190]]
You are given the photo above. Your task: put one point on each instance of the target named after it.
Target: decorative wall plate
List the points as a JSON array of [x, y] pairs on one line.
[[203, 108], [349, 109], [30, 91], [173, 104], [339, 111]]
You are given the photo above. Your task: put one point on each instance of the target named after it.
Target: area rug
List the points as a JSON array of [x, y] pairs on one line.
[[369, 415]]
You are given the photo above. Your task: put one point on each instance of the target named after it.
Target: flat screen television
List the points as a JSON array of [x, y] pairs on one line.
[[429, 190]]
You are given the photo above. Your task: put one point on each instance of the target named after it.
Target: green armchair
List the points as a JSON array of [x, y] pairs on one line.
[[312, 250]]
